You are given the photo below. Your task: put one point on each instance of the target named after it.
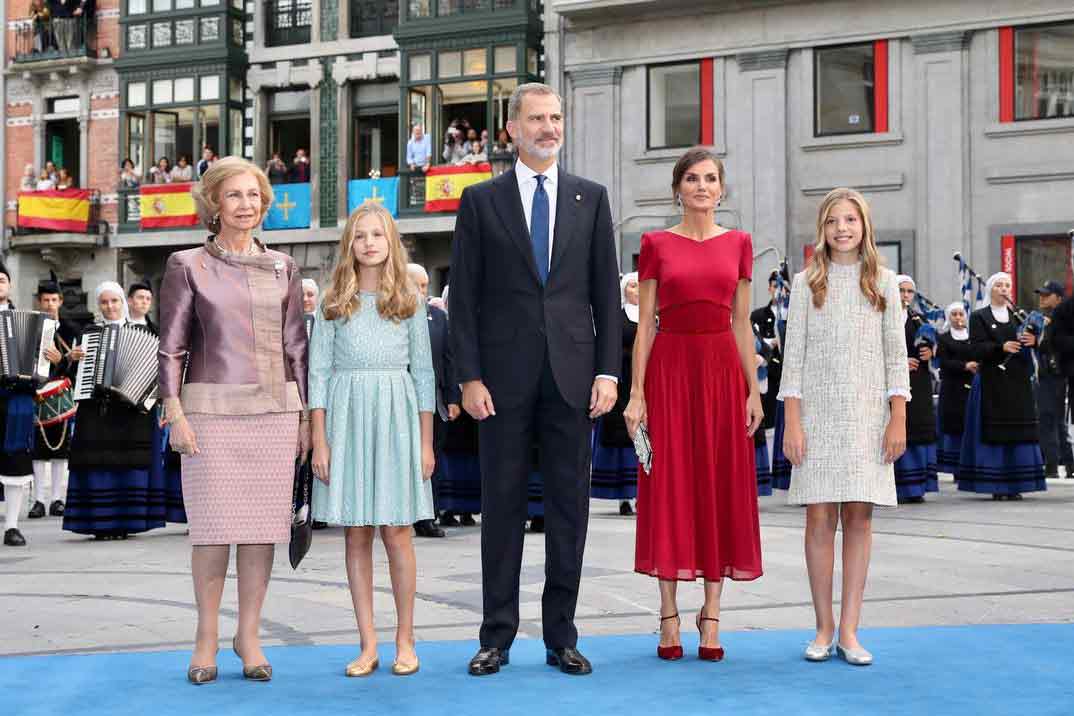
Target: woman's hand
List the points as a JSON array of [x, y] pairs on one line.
[[924, 353], [895, 438], [754, 413], [303, 449], [53, 356], [182, 438], [972, 366], [76, 354], [428, 461], [1011, 346], [322, 458], [914, 363], [1027, 339], [635, 414], [794, 446]]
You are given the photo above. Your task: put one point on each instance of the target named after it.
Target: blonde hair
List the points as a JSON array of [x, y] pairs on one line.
[[817, 270], [206, 192], [397, 299]]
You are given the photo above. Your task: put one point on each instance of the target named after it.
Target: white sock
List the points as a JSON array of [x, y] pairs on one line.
[[41, 472], [13, 499], [59, 480]]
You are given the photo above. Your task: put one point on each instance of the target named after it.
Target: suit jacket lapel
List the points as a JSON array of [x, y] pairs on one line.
[[508, 206], [566, 205]]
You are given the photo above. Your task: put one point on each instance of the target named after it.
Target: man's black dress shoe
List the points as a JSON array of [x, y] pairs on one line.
[[488, 660], [318, 525], [448, 519], [56, 509], [14, 538], [428, 528], [569, 660], [468, 520], [38, 510]]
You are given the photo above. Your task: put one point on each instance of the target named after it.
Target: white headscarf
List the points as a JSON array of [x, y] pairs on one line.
[[112, 287], [959, 334], [903, 278], [310, 283], [1000, 314], [631, 309]]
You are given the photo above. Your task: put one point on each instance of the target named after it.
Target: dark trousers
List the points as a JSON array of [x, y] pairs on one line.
[[533, 415], [1054, 434]]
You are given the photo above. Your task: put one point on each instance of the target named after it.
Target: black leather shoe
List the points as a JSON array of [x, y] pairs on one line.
[[37, 511], [318, 525], [537, 524], [447, 519], [56, 509], [625, 509], [488, 660], [14, 538], [569, 660], [428, 528], [468, 520], [1069, 469], [1051, 470]]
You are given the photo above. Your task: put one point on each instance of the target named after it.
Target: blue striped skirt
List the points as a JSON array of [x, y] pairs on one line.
[[615, 470], [458, 484], [915, 471], [781, 466], [764, 470], [947, 453]]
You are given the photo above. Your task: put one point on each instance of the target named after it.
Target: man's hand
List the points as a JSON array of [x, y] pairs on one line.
[[602, 397], [453, 411], [476, 400], [52, 355]]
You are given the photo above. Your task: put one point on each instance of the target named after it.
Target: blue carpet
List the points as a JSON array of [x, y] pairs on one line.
[[1015, 669]]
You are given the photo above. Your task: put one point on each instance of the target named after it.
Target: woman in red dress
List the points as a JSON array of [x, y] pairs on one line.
[[694, 386]]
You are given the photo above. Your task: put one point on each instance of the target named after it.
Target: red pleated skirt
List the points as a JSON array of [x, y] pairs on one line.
[[697, 511]]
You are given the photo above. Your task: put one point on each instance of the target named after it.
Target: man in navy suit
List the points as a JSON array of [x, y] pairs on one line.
[[535, 330]]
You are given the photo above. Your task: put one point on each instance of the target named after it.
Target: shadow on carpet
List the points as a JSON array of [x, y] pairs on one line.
[[978, 670]]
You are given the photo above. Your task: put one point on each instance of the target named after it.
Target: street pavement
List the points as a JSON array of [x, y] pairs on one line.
[[958, 559]]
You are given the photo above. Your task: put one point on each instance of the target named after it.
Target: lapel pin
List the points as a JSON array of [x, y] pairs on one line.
[[577, 197]]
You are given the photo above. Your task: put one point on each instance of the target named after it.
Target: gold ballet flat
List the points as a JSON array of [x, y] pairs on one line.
[[201, 674], [401, 669], [357, 668]]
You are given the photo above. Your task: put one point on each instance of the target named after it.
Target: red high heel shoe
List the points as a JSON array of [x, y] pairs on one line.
[[708, 653], [669, 653]]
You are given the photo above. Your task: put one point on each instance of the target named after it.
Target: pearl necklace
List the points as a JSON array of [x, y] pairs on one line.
[[251, 250]]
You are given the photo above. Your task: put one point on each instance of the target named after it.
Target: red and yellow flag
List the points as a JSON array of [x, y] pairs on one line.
[[444, 184], [55, 209], [167, 205]]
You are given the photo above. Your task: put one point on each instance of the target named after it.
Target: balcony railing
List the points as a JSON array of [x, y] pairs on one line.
[[55, 39], [417, 9], [370, 18], [288, 22], [58, 211]]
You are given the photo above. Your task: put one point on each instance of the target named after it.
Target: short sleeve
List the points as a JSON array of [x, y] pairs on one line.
[[745, 258], [648, 261]]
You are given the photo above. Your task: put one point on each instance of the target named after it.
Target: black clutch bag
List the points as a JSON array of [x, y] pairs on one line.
[[301, 517]]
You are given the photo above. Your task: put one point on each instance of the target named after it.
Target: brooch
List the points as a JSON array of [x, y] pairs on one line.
[[577, 197], [278, 267]]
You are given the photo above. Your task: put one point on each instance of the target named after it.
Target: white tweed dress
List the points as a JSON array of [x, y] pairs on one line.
[[844, 361]]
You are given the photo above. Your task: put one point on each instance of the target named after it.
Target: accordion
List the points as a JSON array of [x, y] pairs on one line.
[[24, 336], [119, 362]]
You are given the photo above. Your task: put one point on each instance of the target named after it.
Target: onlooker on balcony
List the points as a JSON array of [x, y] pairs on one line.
[[161, 173], [63, 23], [455, 147], [300, 167], [182, 171], [471, 140], [419, 150], [65, 180], [129, 178], [476, 155], [52, 173], [208, 156], [44, 181], [29, 178], [276, 170], [41, 17]]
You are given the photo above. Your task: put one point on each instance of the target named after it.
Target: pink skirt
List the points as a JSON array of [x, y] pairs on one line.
[[238, 488]]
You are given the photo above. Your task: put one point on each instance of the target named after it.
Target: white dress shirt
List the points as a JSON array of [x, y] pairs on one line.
[[527, 187]]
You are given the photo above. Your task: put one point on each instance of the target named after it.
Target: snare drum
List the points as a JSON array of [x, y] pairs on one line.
[[55, 402]]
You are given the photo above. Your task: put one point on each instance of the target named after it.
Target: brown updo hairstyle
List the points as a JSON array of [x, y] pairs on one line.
[[694, 156], [206, 192]]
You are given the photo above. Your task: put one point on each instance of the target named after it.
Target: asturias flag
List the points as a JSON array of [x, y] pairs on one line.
[[444, 184], [55, 209], [385, 191], [291, 208], [165, 205]]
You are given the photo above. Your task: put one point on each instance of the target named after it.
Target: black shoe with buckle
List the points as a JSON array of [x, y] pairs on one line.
[[14, 538], [37, 511], [569, 660], [428, 528], [56, 509], [488, 660]]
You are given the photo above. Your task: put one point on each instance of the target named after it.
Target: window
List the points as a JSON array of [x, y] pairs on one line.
[[162, 91], [373, 17], [505, 59], [136, 7], [236, 32], [236, 132], [531, 61], [288, 22], [421, 68], [475, 62], [850, 89], [136, 37], [135, 139], [162, 5], [136, 94], [210, 29], [1037, 72], [162, 34], [184, 4], [674, 105], [210, 87], [235, 89], [62, 105], [184, 89], [449, 64], [184, 32], [419, 8], [457, 7]]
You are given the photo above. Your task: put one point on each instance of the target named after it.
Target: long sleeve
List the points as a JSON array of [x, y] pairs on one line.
[[985, 349], [604, 295], [176, 321], [893, 330], [322, 360], [452, 394], [421, 360], [295, 340], [1062, 330], [466, 282], [794, 347], [950, 360], [411, 155]]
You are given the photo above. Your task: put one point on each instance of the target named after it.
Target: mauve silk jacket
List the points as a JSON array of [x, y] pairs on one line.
[[236, 322]]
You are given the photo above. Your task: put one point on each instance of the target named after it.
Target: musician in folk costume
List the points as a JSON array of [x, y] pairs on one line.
[[765, 322], [1051, 389], [1000, 451], [915, 471], [52, 434], [112, 490], [139, 304], [957, 369], [761, 461], [16, 434], [311, 296]]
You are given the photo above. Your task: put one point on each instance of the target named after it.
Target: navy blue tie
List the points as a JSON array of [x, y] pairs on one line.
[[539, 229]]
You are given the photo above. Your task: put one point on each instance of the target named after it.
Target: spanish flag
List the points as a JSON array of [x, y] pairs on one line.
[[444, 184], [55, 209], [167, 205]]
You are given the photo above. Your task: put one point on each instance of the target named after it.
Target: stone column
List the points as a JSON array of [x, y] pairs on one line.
[[325, 133], [316, 160], [343, 142], [940, 156], [593, 129]]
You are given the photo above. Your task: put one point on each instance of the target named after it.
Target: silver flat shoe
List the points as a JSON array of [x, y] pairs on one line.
[[854, 657], [819, 652]]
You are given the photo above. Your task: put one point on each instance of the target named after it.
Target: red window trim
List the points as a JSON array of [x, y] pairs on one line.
[[1006, 74], [880, 86], [708, 136], [1008, 261]]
